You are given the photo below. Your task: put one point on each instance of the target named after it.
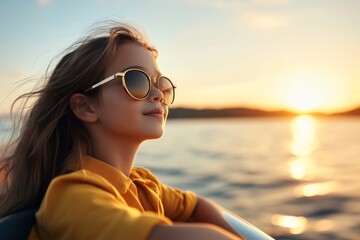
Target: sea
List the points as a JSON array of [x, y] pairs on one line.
[[292, 177]]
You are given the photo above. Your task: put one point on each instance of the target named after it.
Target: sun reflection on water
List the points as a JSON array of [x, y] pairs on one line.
[[304, 140], [316, 189], [294, 224], [302, 166]]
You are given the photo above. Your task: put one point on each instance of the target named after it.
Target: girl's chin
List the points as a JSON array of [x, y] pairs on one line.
[[154, 134]]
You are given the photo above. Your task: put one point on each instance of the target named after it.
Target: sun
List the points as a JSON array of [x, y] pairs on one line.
[[305, 93]]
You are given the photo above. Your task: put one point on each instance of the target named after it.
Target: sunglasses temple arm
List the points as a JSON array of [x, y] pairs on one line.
[[108, 79]]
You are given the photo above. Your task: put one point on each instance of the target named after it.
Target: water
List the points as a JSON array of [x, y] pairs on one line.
[[294, 178]]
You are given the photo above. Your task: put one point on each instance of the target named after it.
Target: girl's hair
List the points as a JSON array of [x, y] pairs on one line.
[[51, 138]]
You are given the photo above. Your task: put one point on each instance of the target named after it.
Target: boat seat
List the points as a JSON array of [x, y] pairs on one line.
[[17, 225]]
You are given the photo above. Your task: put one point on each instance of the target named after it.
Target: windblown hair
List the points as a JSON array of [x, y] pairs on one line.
[[51, 138]]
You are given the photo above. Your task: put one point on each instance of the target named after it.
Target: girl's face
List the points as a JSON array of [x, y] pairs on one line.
[[119, 114]]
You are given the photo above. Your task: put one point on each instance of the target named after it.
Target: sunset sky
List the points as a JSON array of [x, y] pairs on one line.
[[300, 55]]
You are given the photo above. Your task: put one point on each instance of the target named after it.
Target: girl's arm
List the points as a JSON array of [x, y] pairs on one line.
[[209, 212], [207, 223], [194, 231]]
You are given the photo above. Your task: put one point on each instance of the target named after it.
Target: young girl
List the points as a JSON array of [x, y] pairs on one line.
[[73, 158]]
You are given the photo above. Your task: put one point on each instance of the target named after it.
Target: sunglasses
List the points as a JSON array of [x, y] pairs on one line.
[[137, 84]]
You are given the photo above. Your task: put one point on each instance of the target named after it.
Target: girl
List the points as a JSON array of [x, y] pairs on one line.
[[75, 151]]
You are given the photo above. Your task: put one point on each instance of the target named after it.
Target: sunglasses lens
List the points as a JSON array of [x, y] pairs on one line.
[[167, 88], [137, 84]]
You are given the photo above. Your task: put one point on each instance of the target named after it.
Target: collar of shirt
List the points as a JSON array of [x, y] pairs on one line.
[[118, 179]]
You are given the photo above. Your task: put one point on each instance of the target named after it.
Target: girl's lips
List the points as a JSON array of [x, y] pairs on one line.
[[156, 112]]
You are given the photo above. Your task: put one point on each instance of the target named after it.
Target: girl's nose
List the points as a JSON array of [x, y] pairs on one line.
[[156, 95]]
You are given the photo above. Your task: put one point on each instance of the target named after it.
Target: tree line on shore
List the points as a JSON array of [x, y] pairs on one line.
[[244, 112]]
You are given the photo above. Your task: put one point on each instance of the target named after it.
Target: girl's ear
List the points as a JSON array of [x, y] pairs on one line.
[[83, 108]]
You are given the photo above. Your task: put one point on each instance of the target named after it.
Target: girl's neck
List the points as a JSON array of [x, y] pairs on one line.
[[119, 153]]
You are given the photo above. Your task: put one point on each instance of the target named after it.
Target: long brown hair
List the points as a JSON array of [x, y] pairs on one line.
[[51, 137]]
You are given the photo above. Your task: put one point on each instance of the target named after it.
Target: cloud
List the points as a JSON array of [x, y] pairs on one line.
[[111, 1], [264, 20], [271, 2], [220, 4], [43, 2], [246, 12], [233, 4]]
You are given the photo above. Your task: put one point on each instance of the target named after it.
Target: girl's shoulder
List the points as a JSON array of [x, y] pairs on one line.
[[83, 183], [143, 174], [80, 179]]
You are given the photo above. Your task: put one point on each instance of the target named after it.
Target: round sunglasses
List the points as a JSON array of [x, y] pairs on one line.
[[137, 84]]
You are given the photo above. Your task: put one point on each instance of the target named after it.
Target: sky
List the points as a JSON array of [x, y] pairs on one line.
[[299, 55]]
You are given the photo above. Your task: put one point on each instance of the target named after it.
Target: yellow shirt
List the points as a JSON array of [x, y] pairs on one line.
[[100, 202]]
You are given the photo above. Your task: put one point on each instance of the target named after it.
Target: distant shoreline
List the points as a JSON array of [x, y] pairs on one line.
[[180, 112]]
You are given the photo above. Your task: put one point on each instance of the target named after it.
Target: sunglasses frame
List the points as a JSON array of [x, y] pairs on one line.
[[123, 73]]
